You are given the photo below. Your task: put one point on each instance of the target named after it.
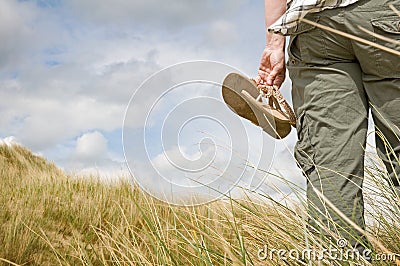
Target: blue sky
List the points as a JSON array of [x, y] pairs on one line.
[[69, 68]]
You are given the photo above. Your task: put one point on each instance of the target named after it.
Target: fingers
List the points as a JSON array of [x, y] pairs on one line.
[[262, 75], [271, 74], [275, 77]]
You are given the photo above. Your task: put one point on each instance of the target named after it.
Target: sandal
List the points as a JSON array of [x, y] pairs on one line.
[[245, 98]]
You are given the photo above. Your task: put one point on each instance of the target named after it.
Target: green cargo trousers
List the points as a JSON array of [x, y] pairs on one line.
[[336, 81]]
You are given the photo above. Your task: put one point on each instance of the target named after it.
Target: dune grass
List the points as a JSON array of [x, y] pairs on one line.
[[49, 218]]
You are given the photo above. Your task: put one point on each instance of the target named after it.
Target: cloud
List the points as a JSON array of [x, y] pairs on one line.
[[91, 147], [90, 155], [9, 141], [42, 122], [154, 13], [15, 31], [80, 82], [221, 33]]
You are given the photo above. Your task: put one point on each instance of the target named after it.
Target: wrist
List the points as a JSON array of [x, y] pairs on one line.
[[275, 41]]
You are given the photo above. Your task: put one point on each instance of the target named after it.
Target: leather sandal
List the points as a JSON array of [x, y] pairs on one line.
[[263, 105]]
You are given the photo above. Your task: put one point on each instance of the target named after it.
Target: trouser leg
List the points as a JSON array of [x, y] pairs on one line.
[[385, 113], [332, 123], [381, 76], [332, 109]]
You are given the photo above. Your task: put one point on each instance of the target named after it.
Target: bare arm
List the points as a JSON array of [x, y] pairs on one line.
[[272, 66]]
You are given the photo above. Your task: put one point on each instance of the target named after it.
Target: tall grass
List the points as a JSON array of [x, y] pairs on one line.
[[49, 218]]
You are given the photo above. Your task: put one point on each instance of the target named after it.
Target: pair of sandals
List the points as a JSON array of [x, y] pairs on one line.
[[263, 105]]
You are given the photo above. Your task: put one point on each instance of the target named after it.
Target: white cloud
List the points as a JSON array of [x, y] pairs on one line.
[[40, 122], [90, 155], [9, 141], [91, 147]]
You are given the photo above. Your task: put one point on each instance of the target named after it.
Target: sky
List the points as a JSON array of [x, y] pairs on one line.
[[74, 73]]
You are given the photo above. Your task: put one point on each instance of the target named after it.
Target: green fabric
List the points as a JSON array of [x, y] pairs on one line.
[[335, 83]]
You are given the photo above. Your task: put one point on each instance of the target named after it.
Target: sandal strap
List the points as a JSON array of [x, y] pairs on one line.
[[274, 92]]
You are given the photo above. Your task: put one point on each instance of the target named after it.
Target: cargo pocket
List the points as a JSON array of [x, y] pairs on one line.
[[295, 49], [388, 64], [304, 151]]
